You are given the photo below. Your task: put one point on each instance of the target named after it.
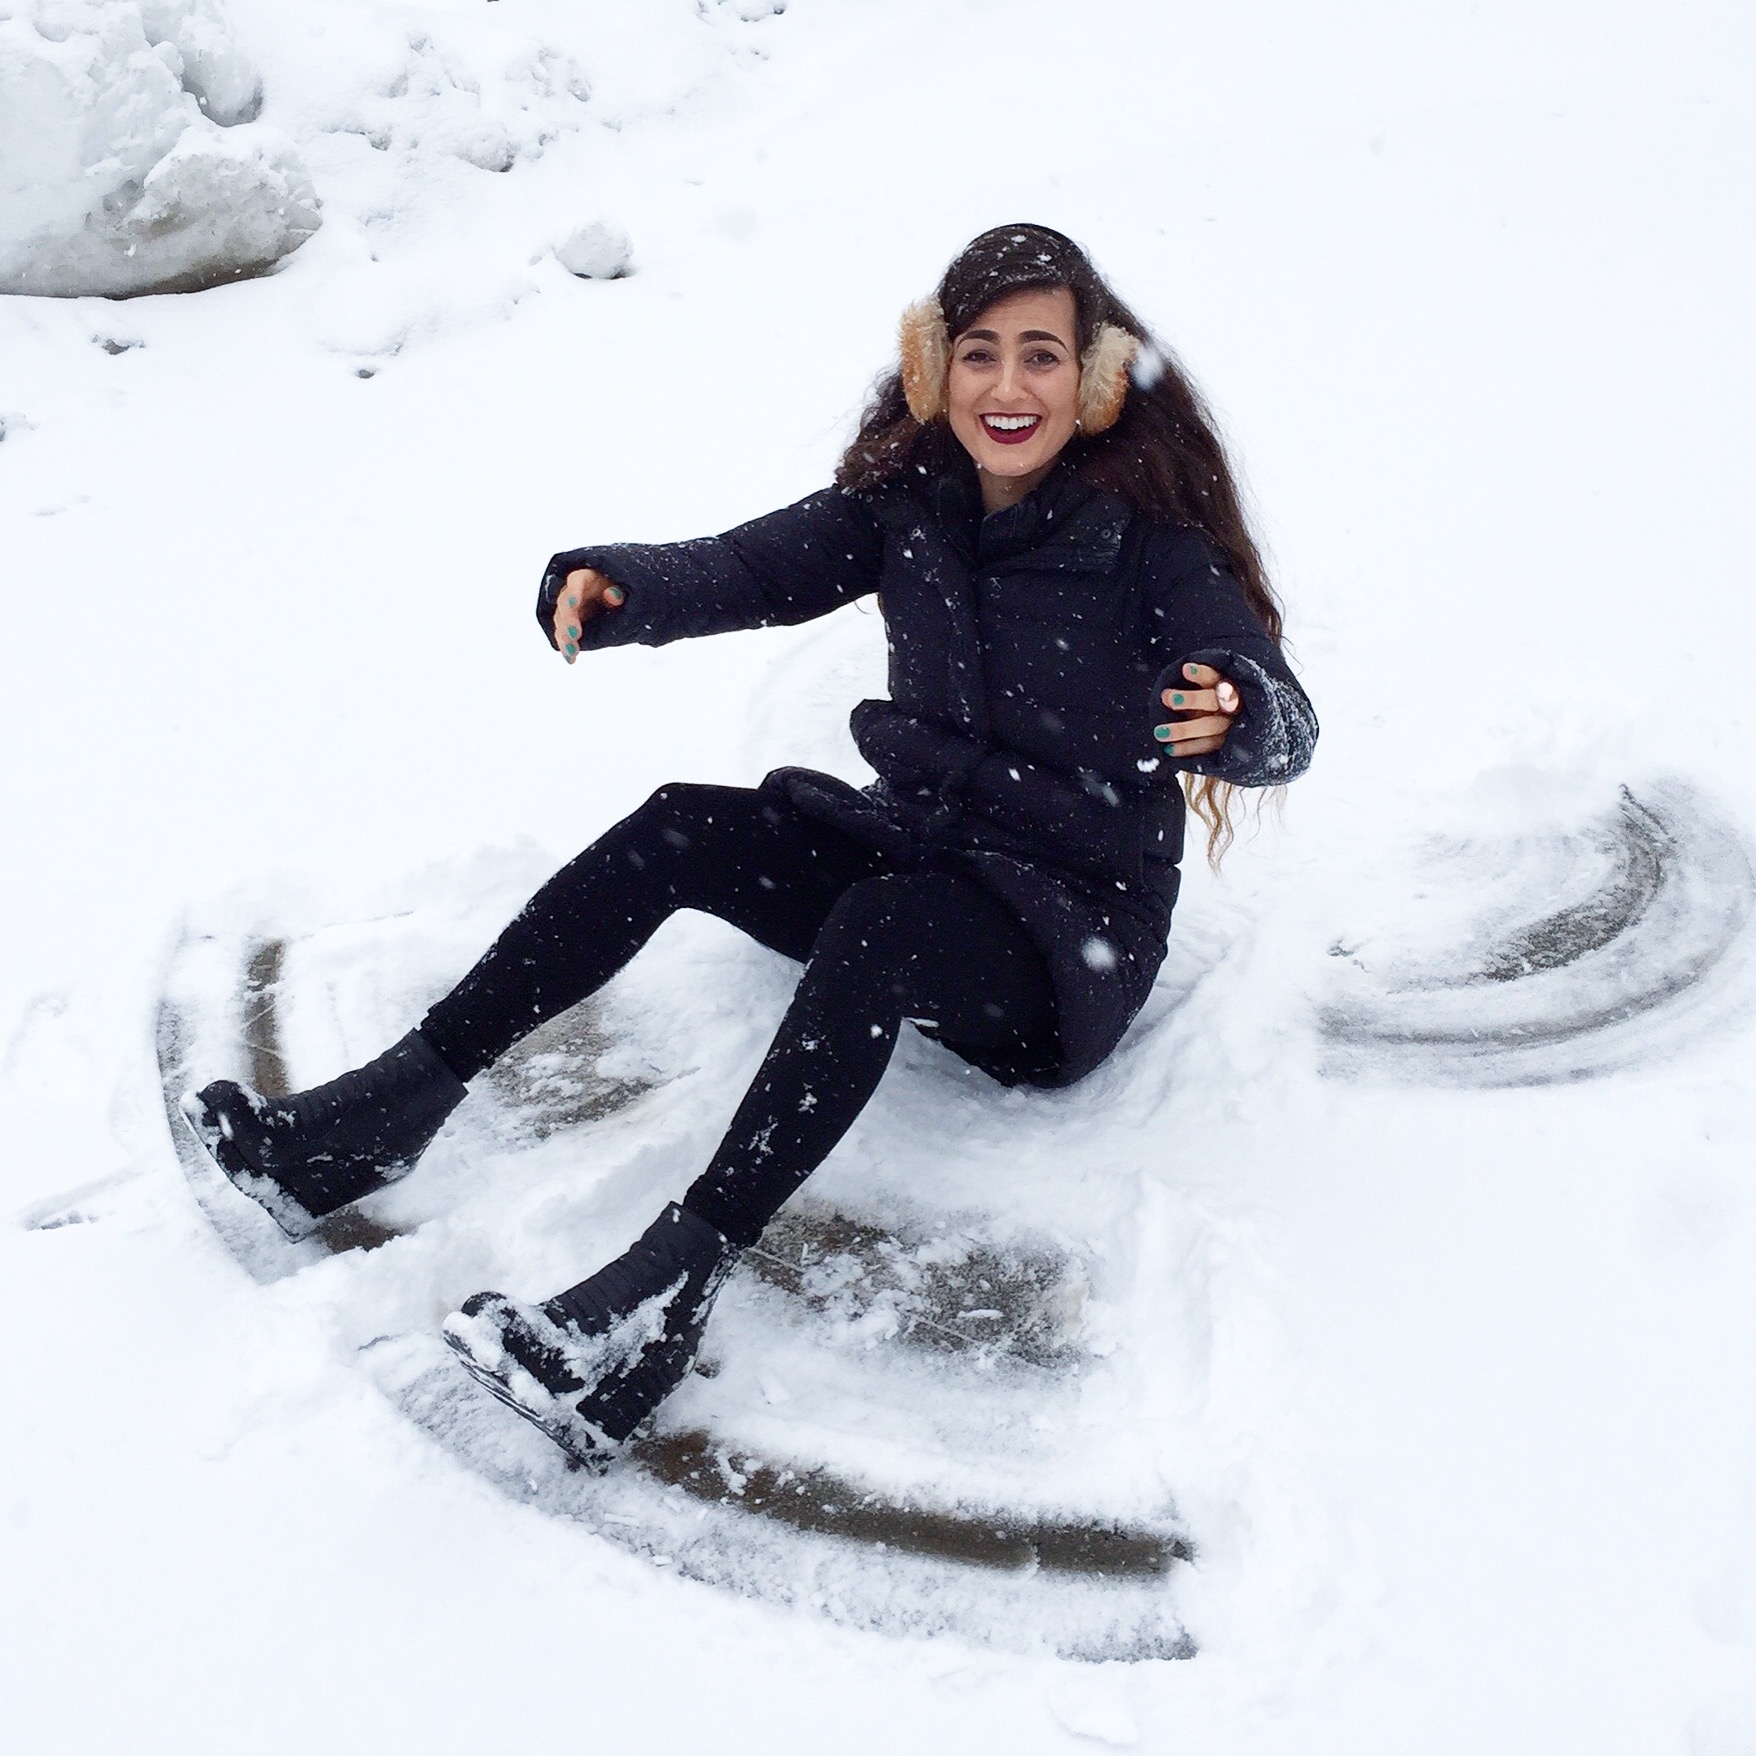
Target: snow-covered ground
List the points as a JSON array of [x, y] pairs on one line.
[[1402, 1260]]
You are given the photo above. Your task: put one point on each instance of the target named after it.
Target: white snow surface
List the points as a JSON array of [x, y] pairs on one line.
[[1406, 1263], [130, 161]]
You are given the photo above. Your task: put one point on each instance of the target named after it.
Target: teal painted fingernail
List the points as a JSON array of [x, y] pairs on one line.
[[572, 650], [572, 633], [1176, 700], [1162, 733]]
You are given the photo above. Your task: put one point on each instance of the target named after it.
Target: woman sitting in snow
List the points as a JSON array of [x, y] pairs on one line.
[[1079, 627]]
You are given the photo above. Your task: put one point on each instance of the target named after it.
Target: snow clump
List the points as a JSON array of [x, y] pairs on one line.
[[129, 160], [213, 71], [597, 252]]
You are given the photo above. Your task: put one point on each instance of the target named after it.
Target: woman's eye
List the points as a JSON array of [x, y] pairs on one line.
[[1044, 358], [976, 357]]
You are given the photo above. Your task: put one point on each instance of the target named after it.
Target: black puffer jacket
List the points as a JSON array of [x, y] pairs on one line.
[[1027, 652]]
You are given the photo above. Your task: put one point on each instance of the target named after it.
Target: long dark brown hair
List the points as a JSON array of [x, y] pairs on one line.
[[1163, 455]]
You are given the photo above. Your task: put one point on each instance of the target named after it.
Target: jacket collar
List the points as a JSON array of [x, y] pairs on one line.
[[1068, 524]]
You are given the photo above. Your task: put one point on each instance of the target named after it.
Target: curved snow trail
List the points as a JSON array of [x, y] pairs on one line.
[[904, 1482], [1558, 955]]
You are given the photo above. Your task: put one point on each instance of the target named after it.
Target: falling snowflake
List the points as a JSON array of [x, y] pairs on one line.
[[1099, 954]]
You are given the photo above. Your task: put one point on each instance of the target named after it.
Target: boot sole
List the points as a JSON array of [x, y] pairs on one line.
[[286, 1213], [582, 1443]]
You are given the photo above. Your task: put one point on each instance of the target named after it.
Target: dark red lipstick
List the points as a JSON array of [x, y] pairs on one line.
[[1013, 435]]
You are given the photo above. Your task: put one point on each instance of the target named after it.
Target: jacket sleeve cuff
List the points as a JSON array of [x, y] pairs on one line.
[[664, 599]]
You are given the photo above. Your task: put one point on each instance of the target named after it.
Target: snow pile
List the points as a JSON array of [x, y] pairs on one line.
[[129, 160], [202, 54], [596, 252]]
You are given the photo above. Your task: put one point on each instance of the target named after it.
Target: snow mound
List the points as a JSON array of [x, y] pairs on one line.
[[596, 252], [213, 70], [128, 160]]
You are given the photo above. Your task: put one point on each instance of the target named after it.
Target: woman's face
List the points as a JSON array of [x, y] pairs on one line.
[[1013, 390]]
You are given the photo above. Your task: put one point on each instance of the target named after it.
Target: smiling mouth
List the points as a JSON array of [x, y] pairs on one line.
[[1010, 429]]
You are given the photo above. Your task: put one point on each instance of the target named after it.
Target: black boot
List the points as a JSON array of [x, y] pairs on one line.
[[305, 1156], [592, 1363]]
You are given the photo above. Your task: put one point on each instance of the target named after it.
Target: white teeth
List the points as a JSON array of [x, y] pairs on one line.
[[1010, 423]]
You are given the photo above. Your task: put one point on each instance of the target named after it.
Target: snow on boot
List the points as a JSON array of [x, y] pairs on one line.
[[589, 1365], [304, 1156]]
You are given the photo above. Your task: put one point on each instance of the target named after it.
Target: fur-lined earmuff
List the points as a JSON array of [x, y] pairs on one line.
[[1103, 377], [926, 358]]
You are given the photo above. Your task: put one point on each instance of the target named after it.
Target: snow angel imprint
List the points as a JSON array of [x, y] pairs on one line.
[[1082, 646]]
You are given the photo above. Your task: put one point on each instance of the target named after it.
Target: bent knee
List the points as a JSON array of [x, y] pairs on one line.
[[676, 798], [883, 903], [677, 813]]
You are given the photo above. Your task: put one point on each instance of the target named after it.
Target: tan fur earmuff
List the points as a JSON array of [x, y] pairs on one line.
[[1103, 377], [926, 358]]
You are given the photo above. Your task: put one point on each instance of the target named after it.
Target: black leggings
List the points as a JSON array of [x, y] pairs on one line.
[[879, 945]]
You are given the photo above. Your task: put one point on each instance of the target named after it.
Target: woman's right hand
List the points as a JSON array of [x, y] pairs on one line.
[[584, 594]]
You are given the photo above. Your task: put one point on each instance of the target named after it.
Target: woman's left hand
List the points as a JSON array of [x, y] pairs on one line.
[[1205, 713]]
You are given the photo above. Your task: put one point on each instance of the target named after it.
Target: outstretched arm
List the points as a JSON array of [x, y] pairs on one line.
[[800, 562]]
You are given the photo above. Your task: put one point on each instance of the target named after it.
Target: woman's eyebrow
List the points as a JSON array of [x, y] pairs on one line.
[[1024, 335]]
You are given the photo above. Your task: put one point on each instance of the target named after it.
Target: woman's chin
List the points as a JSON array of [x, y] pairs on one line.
[[1014, 460]]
